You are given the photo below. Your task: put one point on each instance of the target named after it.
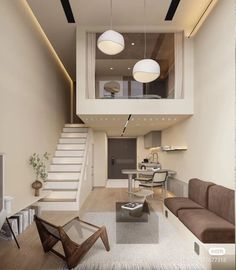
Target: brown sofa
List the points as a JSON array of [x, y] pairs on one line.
[[208, 212]]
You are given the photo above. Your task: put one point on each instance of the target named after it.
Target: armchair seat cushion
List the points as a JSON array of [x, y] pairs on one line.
[[177, 203], [207, 226]]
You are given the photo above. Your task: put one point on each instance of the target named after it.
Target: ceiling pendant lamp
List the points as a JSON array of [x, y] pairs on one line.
[[111, 42], [146, 70]]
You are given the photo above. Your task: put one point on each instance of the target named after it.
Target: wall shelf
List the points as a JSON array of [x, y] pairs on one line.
[[174, 149]]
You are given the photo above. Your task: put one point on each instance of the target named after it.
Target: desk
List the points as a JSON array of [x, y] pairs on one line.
[[131, 172]]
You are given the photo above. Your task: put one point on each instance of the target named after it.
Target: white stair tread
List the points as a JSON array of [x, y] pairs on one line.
[[62, 180], [57, 200], [74, 135], [63, 175], [58, 194], [75, 125], [58, 185], [72, 140], [70, 146], [65, 168], [68, 153], [61, 189], [75, 129], [67, 160]]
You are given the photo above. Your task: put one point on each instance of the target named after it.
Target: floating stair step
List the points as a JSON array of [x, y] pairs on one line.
[[65, 168], [72, 140], [58, 185], [63, 175], [60, 189], [74, 135], [62, 180], [64, 153], [58, 194], [75, 125], [70, 146], [57, 200], [75, 129], [67, 160]]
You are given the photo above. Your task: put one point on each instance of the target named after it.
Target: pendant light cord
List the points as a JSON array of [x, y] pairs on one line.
[[145, 30], [111, 15]]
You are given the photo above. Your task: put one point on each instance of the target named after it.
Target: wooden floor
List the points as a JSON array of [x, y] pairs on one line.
[[31, 255]]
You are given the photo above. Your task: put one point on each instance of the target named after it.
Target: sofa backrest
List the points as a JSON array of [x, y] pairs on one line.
[[198, 191], [221, 202]]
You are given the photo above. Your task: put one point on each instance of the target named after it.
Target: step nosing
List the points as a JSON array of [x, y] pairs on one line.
[[62, 189], [64, 171], [63, 180], [57, 200]]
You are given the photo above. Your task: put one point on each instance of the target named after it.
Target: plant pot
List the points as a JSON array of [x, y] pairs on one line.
[[37, 185]]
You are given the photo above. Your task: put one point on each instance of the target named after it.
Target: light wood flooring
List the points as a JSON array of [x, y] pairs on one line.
[[31, 255]]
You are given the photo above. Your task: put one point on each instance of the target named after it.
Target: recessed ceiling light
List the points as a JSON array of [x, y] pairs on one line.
[[111, 68], [129, 68], [132, 43]]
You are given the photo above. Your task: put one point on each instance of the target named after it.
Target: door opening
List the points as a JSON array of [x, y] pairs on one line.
[[122, 154]]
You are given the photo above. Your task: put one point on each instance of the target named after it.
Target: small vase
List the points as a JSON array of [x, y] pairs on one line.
[[37, 185]]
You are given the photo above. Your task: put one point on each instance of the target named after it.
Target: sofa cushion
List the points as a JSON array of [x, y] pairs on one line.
[[221, 202], [177, 203], [198, 191], [207, 226]]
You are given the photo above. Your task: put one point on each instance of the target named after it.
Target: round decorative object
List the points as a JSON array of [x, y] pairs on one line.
[[146, 70], [37, 185], [112, 87], [111, 42]]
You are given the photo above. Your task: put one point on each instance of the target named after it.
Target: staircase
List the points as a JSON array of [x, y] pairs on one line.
[[66, 169]]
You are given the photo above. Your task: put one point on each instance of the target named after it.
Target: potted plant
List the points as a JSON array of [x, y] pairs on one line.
[[39, 166]]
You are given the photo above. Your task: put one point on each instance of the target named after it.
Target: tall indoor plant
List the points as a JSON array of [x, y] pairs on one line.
[[39, 166]]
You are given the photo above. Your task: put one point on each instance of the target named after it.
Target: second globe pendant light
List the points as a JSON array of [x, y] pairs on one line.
[[111, 42], [146, 70]]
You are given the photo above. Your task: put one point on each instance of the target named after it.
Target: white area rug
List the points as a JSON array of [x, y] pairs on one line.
[[169, 254]]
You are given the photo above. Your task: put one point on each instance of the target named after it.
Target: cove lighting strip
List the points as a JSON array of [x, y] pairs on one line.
[[51, 48], [126, 124]]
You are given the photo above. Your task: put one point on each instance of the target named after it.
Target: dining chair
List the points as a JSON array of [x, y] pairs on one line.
[[159, 179]]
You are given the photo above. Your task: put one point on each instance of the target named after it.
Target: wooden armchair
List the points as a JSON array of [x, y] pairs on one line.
[[50, 235]]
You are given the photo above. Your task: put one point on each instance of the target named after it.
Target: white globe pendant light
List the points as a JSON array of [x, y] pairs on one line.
[[111, 42], [146, 70]]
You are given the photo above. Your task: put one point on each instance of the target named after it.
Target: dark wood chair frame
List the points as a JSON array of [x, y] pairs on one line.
[[73, 252]]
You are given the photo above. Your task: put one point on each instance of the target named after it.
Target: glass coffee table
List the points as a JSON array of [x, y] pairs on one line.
[[139, 226]]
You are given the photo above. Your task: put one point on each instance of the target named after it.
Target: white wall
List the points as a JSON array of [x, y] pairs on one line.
[[209, 134], [34, 97], [100, 158]]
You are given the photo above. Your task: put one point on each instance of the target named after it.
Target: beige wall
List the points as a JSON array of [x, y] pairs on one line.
[[34, 97], [209, 134], [142, 152], [100, 158]]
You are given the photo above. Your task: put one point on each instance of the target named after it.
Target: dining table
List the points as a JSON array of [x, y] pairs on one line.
[[133, 172]]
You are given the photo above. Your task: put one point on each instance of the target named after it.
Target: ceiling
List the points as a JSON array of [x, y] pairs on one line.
[[138, 125], [62, 35]]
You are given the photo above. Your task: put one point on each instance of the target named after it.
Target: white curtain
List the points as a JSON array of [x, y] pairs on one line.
[[91, 58], [179, 65]]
